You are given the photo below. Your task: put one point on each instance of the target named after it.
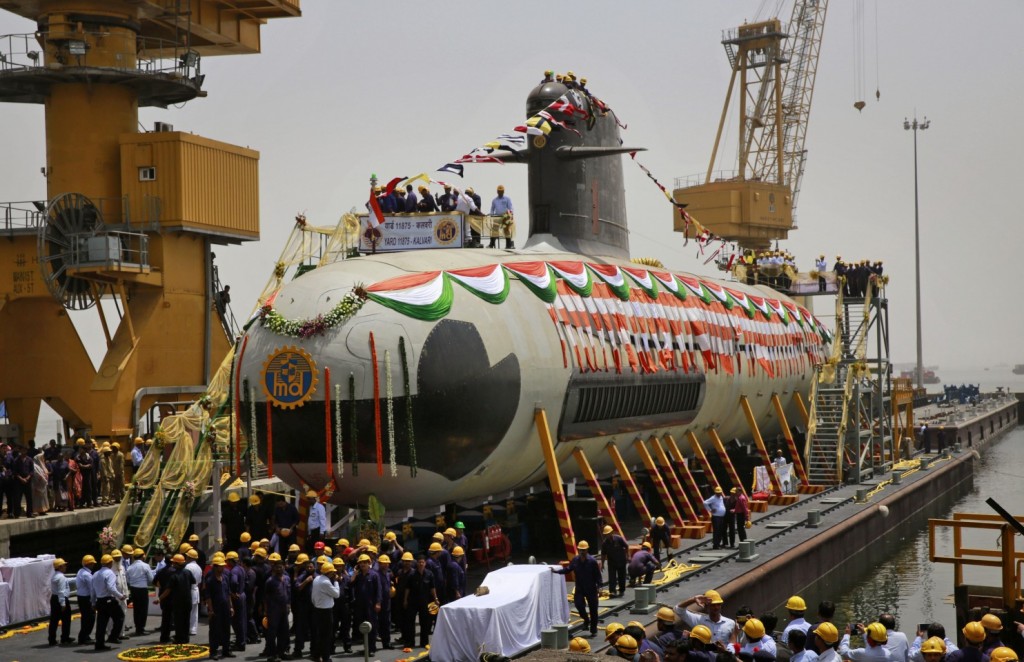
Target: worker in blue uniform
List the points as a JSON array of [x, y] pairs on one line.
[[237, 582], [661, 536], [386, 586], [588, 582], [643, 564], [455, 578], [367, 598], [437, 564], [615, 553], [277, 597], [217, 585]]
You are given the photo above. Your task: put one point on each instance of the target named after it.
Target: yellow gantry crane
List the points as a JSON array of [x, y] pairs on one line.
[[130, 217], [774, 67]]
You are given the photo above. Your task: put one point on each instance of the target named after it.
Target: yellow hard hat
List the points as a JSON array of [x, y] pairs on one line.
[[192, 554], [126, 548], [139, 441], [796, 603], [343, 542], [407, 556], [322, 559], [876, 632], [302, 558], [217, 561], [177, 558], [458, 551], [626, 644], [701, 633], [450, 532], [992, 623], [328, 551], [362, 558], [138, 551], [79, 442], [501, 187], [372, 549], [232, 555], [233, 497], [254, 500], [828, 633], [606, 530], [583, 544], [1003, 654], [116, 554], [149, 442], [193, 538], [328, 568], [364, 542], [660, 521], [88, 558], [933, 645], [974, 632], [646, 545], [612, 629], [312, 494], [434, 547], [433, 608], [245, 537], [260, 552], [294, 548], [274, 558], [666, 614], [713, 597], [115, 446], [390, 535], [636, 624], [184, 547], [754, 629], [579, 645], [253, 546], [219, 555], [384, 559], [718, 490], [377, 189], [58, 563], [438, 536], [286, 532]]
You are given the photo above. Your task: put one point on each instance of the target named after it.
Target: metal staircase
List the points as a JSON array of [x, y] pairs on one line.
[[850, 435]]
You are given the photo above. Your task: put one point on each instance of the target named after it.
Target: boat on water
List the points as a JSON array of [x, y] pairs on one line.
[[927, 376], [1018, 369]]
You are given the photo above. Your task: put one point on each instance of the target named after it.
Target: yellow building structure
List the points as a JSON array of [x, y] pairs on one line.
[[130, 217]]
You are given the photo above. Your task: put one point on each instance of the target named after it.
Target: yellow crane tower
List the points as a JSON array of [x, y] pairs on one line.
[[755, 204], [130, 216]]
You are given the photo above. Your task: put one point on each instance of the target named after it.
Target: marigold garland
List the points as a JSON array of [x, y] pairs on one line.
[[390, 392], [353, 429], [307, 328], [340, 458], [408, 406], [165, 653]]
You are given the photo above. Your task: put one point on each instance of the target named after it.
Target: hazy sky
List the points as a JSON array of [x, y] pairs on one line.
[[398, 88]]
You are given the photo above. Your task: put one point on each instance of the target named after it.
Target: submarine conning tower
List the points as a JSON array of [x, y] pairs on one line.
[[577, 195]]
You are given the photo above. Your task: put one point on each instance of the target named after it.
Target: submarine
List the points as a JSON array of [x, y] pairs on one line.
[[415, 376]]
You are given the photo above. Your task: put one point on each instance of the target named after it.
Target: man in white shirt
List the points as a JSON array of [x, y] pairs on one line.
[[716, 506], [83, 589], [324, 592], [709, 614], [897, 643], [755, 638], [197, 573], [139, 576], [105, 595], [798, 644], [826, 637], [60, 604], [934, 630], [796, 607], [874, 649]]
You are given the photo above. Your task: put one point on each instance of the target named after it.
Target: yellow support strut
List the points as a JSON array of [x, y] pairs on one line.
[[626, 477], [684, 472], [670, 473], [603, 508], [659, 484], [555, 481], [759, 441], [698, 452], [724, 457]]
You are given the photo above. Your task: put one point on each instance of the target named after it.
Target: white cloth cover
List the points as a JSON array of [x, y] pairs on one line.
[[29, 581], [5, 597], [523, 600]]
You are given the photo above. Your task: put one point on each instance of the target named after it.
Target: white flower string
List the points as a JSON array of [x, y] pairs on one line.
[[252, 441], [389, 389], [337, 432]]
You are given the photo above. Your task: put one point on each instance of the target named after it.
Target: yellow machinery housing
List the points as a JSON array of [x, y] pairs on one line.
[[129, 217]]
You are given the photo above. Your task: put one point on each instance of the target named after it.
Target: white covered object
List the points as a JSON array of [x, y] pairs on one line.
[[523, 600], [5, 597], [29, 580]]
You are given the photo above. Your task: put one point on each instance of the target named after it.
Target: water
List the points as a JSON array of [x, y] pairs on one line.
[[988, 378], [912, 588]]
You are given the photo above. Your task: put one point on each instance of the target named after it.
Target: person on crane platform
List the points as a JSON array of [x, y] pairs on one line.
[[427, 203], [796, 608], [821, 266], [661, 536], [709, 614], [501, 206], [411, 201], [874, 649], [446, 201], [615, 554], [588, 583]]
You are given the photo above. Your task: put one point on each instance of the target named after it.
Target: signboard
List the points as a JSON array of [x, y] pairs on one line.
[[413, 232]]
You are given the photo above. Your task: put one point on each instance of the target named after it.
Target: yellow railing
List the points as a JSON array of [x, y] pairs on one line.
[[1006, 558]]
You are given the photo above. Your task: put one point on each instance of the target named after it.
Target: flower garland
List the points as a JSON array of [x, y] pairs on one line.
[[308, 328], [353, 430], [251, 451], [389, 390], [408, 406], [164, 653], [108, 538], [188, 492], [339, 457]]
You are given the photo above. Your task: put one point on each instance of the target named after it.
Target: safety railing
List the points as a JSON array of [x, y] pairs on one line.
[[117, 249], [21, 215], [141, 55], [1006, 558]]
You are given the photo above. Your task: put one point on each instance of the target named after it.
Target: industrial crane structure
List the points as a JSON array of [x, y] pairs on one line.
[[774, 67], [129, 217]]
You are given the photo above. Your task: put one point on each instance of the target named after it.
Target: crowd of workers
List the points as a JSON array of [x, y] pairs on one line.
[[251, 586], [466, 201], [857, 276], [697, 629], [88, 474]]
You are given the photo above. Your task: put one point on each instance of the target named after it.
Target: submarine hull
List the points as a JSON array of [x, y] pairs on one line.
[[425, 390]]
